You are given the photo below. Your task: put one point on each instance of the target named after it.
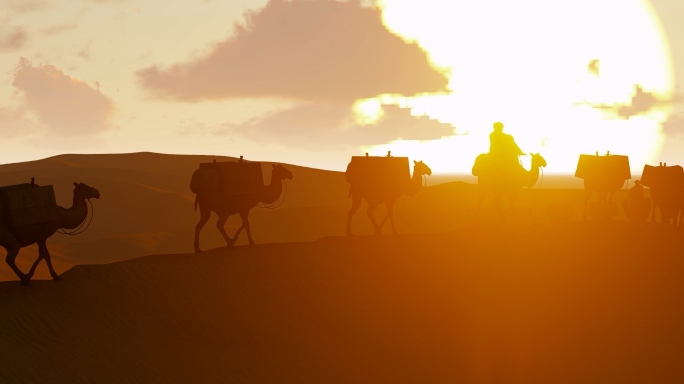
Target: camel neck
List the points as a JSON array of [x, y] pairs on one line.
[[415, 183], [73, 217], [532, 175], [272, 191]]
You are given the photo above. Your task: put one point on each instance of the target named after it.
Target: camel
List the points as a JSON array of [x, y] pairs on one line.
[[211, 200], [667, 191], [603, 175], [12, 239], [501, 183], [388, 197]]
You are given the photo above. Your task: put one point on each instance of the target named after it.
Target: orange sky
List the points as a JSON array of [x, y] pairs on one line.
[[280, 80]]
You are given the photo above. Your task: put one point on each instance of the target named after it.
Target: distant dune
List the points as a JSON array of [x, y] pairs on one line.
[[147, 207], [537, 303]]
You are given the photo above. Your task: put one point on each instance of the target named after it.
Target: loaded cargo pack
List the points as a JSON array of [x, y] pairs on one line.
[[229, 178], [26, 204], [596, 167], [663, 176], [378, 172]]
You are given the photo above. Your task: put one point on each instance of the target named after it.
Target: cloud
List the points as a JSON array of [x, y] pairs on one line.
[[59, 28], [594, 67], [15, 123], [64, 105], [22, 6], [316, 50], [674, 126], [328, 126], [641, 102], [13, 39]]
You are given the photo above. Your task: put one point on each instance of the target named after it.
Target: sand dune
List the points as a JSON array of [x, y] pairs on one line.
[[562, 303]]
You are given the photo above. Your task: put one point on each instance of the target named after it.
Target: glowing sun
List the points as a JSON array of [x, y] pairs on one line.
[[562, 77]]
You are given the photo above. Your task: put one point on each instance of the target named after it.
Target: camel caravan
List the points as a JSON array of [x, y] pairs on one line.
[[30, 215], [229, 188]]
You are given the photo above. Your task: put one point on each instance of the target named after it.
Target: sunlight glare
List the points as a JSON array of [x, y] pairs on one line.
[[510, 64]]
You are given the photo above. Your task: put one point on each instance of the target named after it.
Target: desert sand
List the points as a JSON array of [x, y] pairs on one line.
[[542, 299]]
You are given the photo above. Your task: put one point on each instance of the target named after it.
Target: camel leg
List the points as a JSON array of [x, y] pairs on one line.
[[512, 200], [587, 196], [220, 225], [371, 215], [43, 253], [12, 252], [496, 205], [651, 217], [390, 215], [245, 224], [204, 217], [41, 256], [482, 196], [356, 203]]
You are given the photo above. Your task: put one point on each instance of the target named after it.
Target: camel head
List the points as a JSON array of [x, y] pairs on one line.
[[85, 191], [420, 168], [280, 173], [538, 160]]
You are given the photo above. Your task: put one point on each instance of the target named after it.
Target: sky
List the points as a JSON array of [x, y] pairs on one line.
[[313, 82]]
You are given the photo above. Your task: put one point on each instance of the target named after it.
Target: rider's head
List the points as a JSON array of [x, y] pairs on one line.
[[498, 126]]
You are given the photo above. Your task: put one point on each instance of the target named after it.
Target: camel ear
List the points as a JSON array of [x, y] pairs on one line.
[[75, 184], [415, 162]]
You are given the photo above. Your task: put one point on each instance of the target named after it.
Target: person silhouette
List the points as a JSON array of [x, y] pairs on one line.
[[637, 206], [503, 150]]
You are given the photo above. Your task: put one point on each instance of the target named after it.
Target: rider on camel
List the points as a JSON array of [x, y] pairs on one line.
[[503, 150]]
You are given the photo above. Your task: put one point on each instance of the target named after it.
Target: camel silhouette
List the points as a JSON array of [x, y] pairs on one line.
[[667, 190], [375, 195], [210, 199], [12, 239], [603, 175], [504, 182]]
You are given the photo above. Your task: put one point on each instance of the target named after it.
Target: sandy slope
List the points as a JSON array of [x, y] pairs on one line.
[[562, 303]]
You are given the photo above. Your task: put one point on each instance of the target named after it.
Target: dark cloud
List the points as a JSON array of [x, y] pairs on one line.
[[327, 126], [13, 39], [64, 105], [317, 50]]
